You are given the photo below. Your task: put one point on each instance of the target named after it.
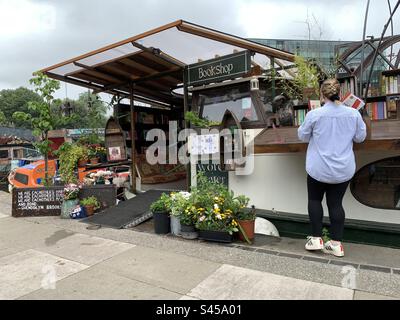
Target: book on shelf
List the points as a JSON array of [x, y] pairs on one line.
[[390, 84], [347, 85], [377, 110], [299, 116], [351, 100], [314, 104]]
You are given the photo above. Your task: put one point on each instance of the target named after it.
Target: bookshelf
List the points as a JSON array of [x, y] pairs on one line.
[[386, 105], [146, 119]]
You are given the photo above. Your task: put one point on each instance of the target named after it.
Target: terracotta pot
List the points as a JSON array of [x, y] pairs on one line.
[[82, 163], [248, 227], [94, 160], [89, 210]]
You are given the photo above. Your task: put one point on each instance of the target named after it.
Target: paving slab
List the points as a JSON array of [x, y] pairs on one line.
[[355, 253], [4, 215], [82, 248], [30, 270], [361, 295], [97, 284], [24, 233], [174, 272], [233, 283]]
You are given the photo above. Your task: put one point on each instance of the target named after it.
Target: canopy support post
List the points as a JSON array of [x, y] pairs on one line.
[[133, 142], [186, 108]]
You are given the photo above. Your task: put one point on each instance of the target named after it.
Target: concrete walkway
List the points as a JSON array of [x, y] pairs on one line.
[[50, 258]]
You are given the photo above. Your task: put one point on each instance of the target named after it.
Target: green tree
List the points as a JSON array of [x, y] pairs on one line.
[[13, 100], [40, 115]]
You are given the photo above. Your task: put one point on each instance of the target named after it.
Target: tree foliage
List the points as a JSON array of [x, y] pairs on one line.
[[12, 100]]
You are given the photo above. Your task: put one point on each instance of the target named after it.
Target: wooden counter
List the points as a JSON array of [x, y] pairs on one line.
[[385, 136]]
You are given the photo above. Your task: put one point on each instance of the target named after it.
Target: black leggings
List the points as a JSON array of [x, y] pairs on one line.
[[334, 198]]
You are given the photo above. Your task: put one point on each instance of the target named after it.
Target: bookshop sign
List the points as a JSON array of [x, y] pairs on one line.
[[219, 69]]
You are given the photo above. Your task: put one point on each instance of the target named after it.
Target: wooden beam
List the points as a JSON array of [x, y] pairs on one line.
[[120, 71], [158, 53], [234, 41]]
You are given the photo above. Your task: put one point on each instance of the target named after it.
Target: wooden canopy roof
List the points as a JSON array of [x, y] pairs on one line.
[[153, 62]]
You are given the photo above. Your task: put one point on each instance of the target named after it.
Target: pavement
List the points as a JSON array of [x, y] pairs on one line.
[[51, 258]]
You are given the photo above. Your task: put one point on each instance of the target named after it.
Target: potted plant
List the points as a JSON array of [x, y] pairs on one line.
[[246, 219], [214, 207], [101, 153], [92, 155], [69, 154], [160, 210], [178, 204], [91, 204], [71, 192]]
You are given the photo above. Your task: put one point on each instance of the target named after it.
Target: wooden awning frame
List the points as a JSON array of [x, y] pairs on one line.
[[153, 72]]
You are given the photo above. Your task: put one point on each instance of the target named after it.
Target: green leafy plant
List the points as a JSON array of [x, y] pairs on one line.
[[69, 154], [325, 235], [306, 77], [196, 121], [91, 201], [162, 205]]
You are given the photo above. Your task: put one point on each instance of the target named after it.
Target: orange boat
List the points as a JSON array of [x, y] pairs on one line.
[[32, 175]]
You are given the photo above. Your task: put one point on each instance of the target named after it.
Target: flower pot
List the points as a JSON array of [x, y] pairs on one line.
[[162, 222], [94, 160], [89, 210], [217, 236], [103, 158], [67, 207], [175, 226], [189, 232], [82, 163], [248, 227]]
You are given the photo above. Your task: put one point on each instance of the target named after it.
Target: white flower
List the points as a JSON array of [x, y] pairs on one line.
[[216, 207], [219, 217], [202, 218]]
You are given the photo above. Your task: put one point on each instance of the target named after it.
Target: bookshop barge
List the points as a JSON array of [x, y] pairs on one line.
[[154, 69]]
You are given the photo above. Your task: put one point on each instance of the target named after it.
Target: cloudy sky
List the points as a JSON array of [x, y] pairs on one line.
[[38, 33]]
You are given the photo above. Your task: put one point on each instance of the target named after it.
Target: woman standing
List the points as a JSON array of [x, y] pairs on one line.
[[330, 131]]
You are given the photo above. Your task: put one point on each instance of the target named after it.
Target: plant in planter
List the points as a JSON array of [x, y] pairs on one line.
[[246, 219], [92, 155], [178, 204], [196, 121], [214, 206], [161, 210], [101, 153], [71, 201], [91, 204], [69, 154]]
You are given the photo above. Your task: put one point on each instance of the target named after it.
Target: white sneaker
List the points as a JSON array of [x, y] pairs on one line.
[[336, 250], [314, 243]]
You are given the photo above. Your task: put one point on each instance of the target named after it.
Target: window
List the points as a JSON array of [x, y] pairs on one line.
[[21, 178], [215, 102], [377, 185], [3, 154]]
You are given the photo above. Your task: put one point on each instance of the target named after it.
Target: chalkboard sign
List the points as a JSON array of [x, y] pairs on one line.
[[213, 172], [37, 202]]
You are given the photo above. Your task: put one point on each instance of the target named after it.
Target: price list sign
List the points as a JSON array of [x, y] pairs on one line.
[[37, 202]]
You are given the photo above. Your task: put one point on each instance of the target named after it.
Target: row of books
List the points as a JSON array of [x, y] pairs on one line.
[[299, 116], [390, 84], [347, 86], [377, 110]]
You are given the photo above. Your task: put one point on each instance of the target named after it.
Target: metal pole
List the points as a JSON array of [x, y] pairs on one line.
[[186, 108], [362, 49], [133, 141]]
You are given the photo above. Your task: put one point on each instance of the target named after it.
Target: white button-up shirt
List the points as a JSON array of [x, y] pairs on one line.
[[331, 131]]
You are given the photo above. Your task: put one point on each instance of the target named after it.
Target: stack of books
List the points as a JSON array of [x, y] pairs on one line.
[[299, 116]]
